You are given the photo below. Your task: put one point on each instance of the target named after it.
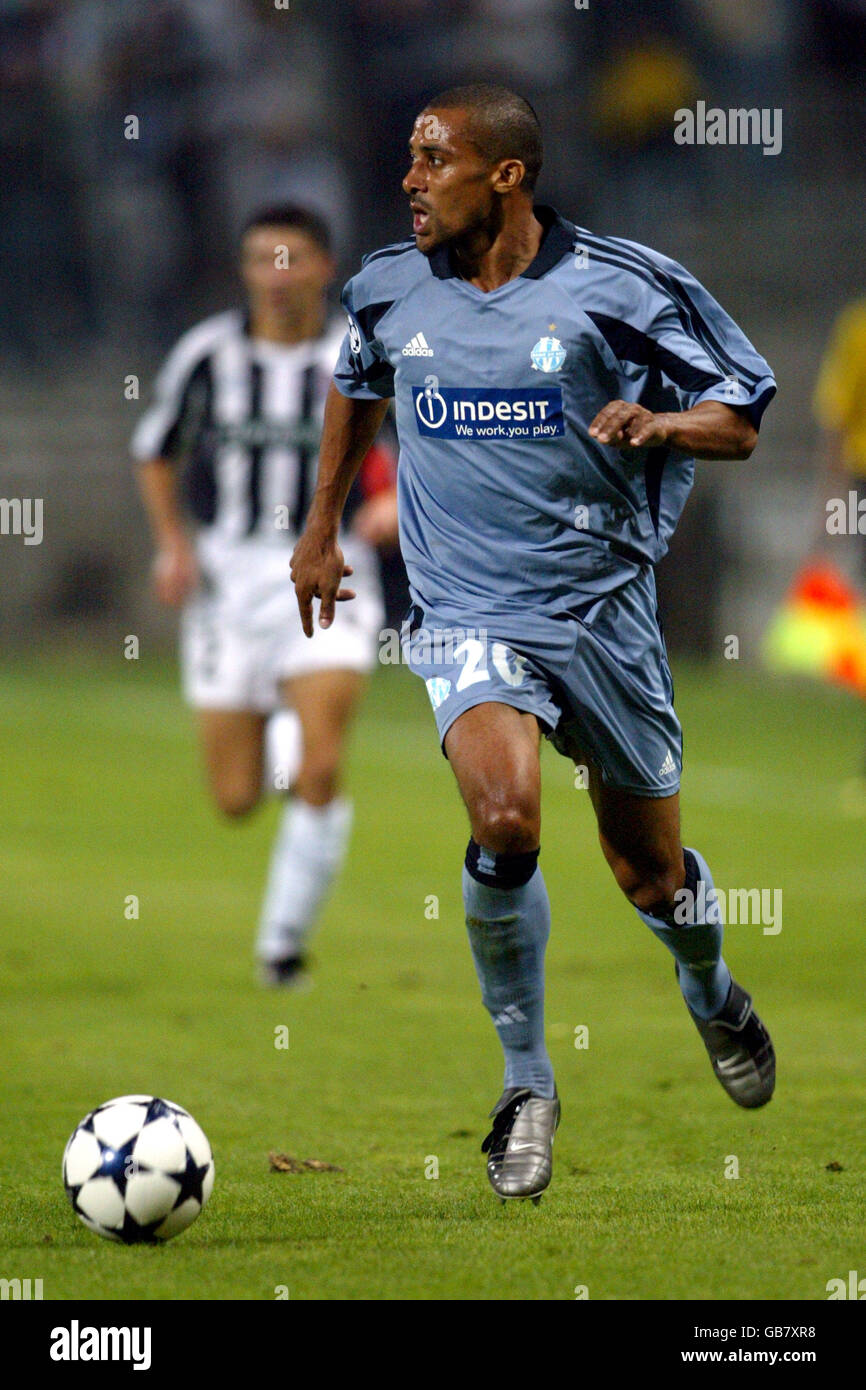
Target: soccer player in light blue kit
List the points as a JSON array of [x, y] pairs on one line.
[[552, 391]]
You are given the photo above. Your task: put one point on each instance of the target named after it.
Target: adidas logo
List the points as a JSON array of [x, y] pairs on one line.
[[668, 766], [417, 347], [510, 1014]]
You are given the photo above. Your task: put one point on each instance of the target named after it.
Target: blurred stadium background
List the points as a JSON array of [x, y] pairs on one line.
[[112, 246]]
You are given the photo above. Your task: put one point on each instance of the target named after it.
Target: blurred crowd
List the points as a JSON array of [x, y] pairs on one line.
[[110, 225]]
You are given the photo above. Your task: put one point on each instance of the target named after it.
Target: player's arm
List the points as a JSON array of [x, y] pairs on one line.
[[723, 382], [173, 416], [175, 569], [709, 430], [318, 569]]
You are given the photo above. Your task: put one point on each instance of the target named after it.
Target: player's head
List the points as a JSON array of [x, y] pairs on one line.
[[285, 259], [471, 148]]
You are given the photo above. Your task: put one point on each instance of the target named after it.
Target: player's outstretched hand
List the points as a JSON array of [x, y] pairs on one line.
[[625, 422], [175, 571], [318, 569]]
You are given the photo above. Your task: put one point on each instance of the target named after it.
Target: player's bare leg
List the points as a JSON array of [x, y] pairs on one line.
[[233, 741], [493, 750], [672, 890], [312, 839], [640, 839], [326, 703]]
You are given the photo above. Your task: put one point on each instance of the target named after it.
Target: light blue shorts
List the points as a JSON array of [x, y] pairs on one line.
[[599, 683]]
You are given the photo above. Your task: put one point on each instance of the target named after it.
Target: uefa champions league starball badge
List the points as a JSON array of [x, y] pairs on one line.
[[548, 355]]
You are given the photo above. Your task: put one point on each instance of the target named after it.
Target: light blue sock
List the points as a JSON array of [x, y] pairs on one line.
[[696, 942], [508, 928]]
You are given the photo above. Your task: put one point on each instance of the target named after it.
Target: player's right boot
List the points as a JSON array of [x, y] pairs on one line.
[[519, 1147], [740, 1049]]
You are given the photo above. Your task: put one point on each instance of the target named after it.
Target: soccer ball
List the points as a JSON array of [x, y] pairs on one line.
[[138, 1169]]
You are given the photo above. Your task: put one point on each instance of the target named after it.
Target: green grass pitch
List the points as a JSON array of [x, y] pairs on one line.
[[392, 1063]]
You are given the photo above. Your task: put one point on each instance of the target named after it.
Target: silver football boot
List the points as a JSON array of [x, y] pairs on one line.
[[740, 1049], [519, 1147]]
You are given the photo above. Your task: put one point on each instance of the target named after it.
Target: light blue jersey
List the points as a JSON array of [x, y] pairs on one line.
[[508, 509]]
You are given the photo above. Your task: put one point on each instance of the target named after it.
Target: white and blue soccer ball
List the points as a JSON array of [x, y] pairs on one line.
[[138, 1169]]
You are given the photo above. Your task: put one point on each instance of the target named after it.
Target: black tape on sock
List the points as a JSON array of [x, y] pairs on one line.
[[500, 870]]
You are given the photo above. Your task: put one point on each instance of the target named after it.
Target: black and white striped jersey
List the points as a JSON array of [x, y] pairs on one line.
[[244, 417]]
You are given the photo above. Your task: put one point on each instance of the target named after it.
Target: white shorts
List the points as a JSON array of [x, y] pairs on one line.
[[241, 632]]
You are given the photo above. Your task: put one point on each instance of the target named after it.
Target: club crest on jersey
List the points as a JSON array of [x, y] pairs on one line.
[[548, 355], [354, 336], [438, 688]]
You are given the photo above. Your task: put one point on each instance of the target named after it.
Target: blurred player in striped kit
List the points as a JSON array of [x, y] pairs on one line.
[[227, 458]]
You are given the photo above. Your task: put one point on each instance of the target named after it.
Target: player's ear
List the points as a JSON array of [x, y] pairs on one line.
[[509, 175]]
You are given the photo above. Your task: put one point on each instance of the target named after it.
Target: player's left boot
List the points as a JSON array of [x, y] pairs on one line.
[[289, 973], [740, 1049], [519, 1147]]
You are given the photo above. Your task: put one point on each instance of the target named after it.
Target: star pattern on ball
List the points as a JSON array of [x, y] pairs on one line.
[[100, 1175], [162, 1110], [191, 1180], [133, 1232], [119, 1164]]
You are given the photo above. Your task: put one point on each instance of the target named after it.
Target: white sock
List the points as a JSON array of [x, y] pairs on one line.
[[283, 748], [306, 858]]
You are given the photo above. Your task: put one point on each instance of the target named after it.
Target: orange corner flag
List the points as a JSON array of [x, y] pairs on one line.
[[820, 628]]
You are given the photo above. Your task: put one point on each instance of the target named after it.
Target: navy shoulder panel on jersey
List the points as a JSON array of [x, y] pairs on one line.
[[396, 248], [651, 311], [385, 276]]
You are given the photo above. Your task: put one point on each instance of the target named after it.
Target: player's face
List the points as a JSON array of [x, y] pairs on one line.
[[283, 269], [451, 187]]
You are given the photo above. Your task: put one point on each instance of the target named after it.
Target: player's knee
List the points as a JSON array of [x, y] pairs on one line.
[[509, 827], [318, 778], [236, 799], [652, 887], [656, 894]]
